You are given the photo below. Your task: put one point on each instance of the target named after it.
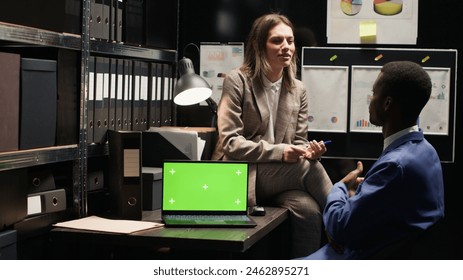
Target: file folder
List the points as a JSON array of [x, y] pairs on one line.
[[125, 174], [38, 103], [9, 105]]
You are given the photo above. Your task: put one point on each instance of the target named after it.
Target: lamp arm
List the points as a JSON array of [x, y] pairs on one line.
[[212, 105]]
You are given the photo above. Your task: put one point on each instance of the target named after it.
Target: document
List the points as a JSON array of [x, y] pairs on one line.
[[188, 142], [96, 223]]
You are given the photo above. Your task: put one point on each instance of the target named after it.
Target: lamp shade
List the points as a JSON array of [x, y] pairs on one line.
[[190, 88]]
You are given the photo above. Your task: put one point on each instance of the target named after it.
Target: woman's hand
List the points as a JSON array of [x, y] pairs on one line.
[[314, 150]]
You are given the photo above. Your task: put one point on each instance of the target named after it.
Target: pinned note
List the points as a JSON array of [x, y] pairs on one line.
[[367, 31]]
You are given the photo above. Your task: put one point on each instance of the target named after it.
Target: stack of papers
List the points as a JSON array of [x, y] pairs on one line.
[[96, 223]]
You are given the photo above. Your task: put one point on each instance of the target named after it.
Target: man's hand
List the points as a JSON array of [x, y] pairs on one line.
[[352, 179]]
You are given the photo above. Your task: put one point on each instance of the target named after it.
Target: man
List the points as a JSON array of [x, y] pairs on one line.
[[403, 192]]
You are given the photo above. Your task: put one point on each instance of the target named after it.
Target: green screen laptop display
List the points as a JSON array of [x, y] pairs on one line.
[[205, 186]]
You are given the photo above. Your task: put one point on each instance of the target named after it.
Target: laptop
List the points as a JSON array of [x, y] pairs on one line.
[[205, 194]]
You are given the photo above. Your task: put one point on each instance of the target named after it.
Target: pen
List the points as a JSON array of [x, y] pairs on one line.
[[325, 142]]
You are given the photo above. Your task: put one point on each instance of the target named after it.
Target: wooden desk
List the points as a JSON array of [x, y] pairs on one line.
[[226, 240]]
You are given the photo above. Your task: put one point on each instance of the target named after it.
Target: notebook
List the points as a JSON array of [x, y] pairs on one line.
[[205, 194]]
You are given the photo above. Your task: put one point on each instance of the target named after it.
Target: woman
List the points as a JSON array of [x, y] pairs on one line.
[[262, 119]]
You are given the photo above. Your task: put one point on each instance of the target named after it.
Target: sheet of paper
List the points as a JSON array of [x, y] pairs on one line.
[[186, 141], [96, 223]]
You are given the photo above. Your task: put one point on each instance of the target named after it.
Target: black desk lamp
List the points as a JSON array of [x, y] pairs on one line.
[[192, 88]]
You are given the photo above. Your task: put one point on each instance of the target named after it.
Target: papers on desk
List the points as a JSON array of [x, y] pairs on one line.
[[96, 223], [186, 141]]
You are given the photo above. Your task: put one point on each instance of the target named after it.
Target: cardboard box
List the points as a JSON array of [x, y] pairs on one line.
[[152, 188]]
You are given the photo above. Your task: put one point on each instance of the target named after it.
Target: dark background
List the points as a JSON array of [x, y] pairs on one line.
[[439, 27]]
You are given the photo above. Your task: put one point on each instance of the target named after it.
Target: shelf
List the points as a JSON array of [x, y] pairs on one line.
[[32, 157], [23, 34], [120, 49]]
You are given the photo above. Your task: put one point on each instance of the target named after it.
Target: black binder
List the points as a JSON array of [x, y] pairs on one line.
[[155, 106], [112, 94], [136, 104], [166, 96], [91, 99], [128, 95], [119, 94], [125, 175], [101, 100]]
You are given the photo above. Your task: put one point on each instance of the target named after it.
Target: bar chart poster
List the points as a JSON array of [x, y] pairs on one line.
[[363, 78]]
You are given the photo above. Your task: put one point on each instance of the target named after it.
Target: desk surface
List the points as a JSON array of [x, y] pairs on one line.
[[221, 239]]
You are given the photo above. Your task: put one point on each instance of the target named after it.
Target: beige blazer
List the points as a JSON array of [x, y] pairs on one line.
[[243, 116]]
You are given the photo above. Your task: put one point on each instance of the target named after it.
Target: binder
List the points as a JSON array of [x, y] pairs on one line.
[[125, 174], [152, 89], [106, 19], [101, 100], [98, 20], [46, 202], [40, 179], [119, 94], [67, 121], [112, 93], [166, 103], [91, 99], [144, 88], [119, 20], [9, 105], [157, 93], [128, 84], [38, 103], [112, 20], [93, 21], [136, 104]]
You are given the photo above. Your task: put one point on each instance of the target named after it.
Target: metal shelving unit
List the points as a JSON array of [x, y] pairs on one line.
[[79, 153]]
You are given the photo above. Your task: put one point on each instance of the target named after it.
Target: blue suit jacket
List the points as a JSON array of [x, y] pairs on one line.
[[403, 192]]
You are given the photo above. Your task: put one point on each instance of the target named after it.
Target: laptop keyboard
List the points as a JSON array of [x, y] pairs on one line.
[[205, 219]]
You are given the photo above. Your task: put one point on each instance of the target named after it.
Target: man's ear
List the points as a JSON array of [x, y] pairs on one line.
[[387, 103]]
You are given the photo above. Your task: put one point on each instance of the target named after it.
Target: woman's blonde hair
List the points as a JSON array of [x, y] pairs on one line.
[[255, 62]]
